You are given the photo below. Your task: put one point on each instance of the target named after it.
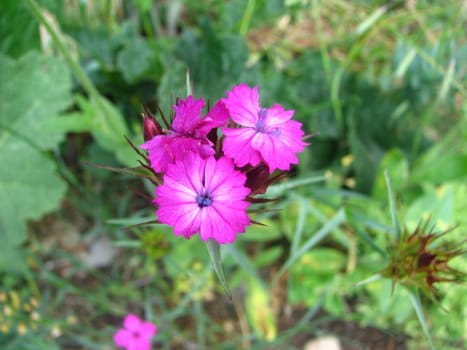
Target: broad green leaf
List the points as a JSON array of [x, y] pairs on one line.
[[18, 30], [108, 128], [438, 165], [137, 59], [310, 277], [13, 260], [215, 59], [173, 85], [29, 187], [436, 204], [268, 256], [386, 301], [33, 90]]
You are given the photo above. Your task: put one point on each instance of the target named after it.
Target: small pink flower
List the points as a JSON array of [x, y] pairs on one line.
[[205, 196], [136, 334], [266, 134], [189, 133]]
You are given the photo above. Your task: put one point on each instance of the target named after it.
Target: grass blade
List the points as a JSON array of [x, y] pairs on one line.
[[415, 299], [447, 81], [392, 205], [331, 225], [279, 189]]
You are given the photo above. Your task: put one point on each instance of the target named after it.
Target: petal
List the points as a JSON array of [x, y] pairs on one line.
[[277, 115], [217, 116], [183, 218], [140, 344], [132, 322], [188, 223], [187, 171], [159, 152], [221, 178], [187, 114], [279, 148], [175, 192], [182, 145], [147, 330], [122, 337], [243, 104], [237, 145], [223, 224], [216, 172]]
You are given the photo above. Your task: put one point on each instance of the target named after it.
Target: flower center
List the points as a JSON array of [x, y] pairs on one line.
[[261, 127], [136, 335], [204, 200], [262, 114]]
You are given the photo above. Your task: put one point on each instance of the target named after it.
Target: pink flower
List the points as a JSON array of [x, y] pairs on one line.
[[136, 334], [205, 196], [189, 134], [267, 134]]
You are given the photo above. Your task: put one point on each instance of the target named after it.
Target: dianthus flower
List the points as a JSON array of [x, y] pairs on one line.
[[266, 134], [188, 134], [205, 196], [136, 334]]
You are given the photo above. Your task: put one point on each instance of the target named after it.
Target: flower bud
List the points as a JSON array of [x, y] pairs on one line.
[[151, 127], [417, 262]]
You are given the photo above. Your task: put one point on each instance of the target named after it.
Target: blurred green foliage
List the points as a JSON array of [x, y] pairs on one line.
[[383, 83]]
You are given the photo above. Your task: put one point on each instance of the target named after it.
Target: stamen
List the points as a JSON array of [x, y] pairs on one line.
[[203, 200], [262, 114]]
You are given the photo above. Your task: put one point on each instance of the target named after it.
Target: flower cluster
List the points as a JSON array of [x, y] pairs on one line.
[[209, 167]]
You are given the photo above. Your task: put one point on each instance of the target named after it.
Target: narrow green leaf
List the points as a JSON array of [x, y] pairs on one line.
[[415, 299], [371, 20], [405, 64], [371, 279], [279, 189], [392, 205], [247, 15], [447, 81], [214, 250], [128, 243], [300, 225], [244, 262], [331, 225], [189, 85]]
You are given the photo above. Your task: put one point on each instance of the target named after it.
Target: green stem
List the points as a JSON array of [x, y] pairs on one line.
[[246, 19], [322, 45], [75, 67]]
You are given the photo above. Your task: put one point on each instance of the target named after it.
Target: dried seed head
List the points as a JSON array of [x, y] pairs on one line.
[[416, 261]]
